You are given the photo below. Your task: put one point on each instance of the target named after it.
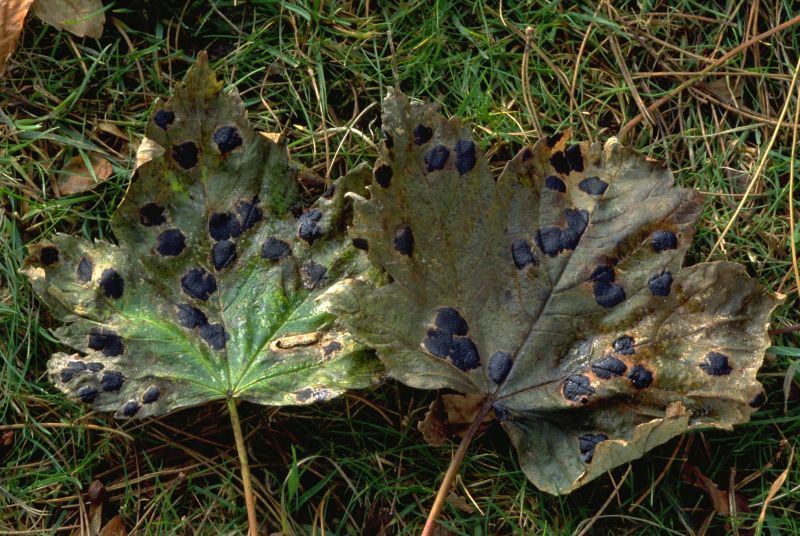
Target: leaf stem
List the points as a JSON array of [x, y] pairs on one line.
[[249, 498], [452, 470]]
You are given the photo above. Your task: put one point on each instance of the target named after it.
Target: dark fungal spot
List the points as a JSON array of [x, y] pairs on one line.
[[112, 381], [361, 243], [151, 215], [130, 408], [190, 317], [624, 345], [560, 163], [95, 366], [308, 226], [608, 294], [87, 394], [223, 254], [185, 154], [438, 342], [312, 274], [249, 213], [664, 240], [549, 240], [170, 243], [151, 395], [388, 140], [593, 186], [526, 154], [716, 364], [577, 220], [552, 140], [198, 283], [275, 249], [587, 444], [574, 157], [329, 191], [577, 387], [465, 156], [640, 377], [501, 412], [554, 183], [112, 284], [404, 241], [659, 284], [48, 255], [499, 366], [72, 368], [214, 335], [758, 400], [450, 321], [436, 158], [521, 254], [464, 354], [422, 134], [85, 268], [383, 175], [609, 366], [164, 118], [227, 139], [223, 225], [331, 347], [106, 341], [602, 274]]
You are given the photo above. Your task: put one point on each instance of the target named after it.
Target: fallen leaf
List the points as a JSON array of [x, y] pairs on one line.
[[146, 151], [84, 18], [460, 503], [76, 177], [114, 527], [12, 20], [434, 426]]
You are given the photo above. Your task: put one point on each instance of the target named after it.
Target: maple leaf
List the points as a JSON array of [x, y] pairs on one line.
[[556, 292], [216, 290]]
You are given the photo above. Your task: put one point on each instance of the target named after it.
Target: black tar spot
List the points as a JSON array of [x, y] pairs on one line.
[[383, 175], [587, 443], [151, 214], [329, 191], [758, 400], [214, 335], [465, 156], [223, 225], [660, 284], [624, 345], [48, 255], [521, 254], [190, 317], [227, 139], [171, 242], [716, 364], [198, 283], [464, 354], [640, 377], [331, 347], [304, 394], [577, 220], [85, 268], [185, 154], [87, 394], [549, 240], [552, 140], [664, 240], [602, 274], [436, 158], [106, 341], [450, 321], [501, 412], [308, 227], [404, 241], [151, 394], [130, 408], [554, 183], [438, 342], [422, 134], [388, 140], [526, 154], [112, 283], [499, 366], [361, 243], [275, 249], [164, 118], [223, 254], [609, 366], [72, 368], [112, 381], [249, 213], [608, 294], [576, 387], [312, 274], [560, 163], [574, 157], [95, 366], [593, 186]]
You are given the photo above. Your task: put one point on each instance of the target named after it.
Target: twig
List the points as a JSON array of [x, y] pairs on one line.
[[249, 498]]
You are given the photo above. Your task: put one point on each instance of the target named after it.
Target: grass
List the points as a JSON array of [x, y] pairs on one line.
[[358, 465]]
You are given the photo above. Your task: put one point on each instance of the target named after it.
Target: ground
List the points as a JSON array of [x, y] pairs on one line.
[[684, 82]]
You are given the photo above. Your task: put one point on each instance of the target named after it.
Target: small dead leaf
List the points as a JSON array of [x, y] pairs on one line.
[[114, 527], [434, 425], [76, 177], [720, 498], [274, 137], [459, 502], [450, 415], [7, 439], [147, 150], [727, 90], [84, 18], [12, 20]]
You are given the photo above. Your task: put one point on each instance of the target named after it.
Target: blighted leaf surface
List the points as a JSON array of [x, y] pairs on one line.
[[556, 292], [194, 304]]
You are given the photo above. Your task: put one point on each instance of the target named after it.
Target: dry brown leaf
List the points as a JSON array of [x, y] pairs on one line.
[[451, 415], [84, 18], [114, 527], [460, 503], [147, 150], [12, 19], [434, 425], [76, 177], [274, 137]]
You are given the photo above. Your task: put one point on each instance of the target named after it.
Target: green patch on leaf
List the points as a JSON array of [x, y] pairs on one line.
[[556, 291], [215, 289]]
